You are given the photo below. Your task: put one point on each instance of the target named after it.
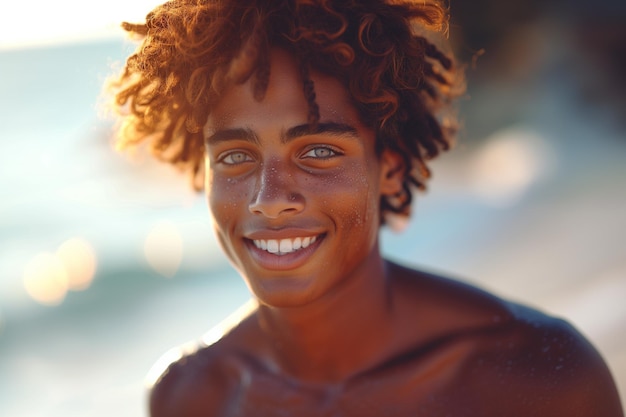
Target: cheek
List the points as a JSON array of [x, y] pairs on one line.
[[226, 200], [225, 197], [353, 199]]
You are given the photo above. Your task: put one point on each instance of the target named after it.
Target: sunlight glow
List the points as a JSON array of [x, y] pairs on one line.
[[163, 249], [161, 365], [169, 357], [40, 22]]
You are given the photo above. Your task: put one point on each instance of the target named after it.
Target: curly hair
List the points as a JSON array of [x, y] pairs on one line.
[[192, 50]]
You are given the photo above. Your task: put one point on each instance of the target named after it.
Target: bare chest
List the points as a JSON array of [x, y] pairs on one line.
[[407, 388]]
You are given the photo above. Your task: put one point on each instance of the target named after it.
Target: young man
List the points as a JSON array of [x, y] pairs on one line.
[[310, 122]]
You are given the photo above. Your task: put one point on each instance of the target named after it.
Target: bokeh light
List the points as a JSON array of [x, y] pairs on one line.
[[79, 260], [507, 164], [49, 276], [163, 248], [45, 279]]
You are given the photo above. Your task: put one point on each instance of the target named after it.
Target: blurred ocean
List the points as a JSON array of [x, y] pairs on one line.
[[530, 205], [86, 352]]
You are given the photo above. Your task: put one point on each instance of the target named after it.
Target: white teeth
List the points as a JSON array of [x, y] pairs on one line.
[[284, 246], [272, 246]]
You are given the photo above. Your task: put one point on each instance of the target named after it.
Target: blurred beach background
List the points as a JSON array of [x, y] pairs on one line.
[[108, 260]]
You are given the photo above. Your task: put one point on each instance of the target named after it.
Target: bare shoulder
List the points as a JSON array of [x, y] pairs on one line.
[[193, 384], [544, 366], [516, 360], [202, 377]]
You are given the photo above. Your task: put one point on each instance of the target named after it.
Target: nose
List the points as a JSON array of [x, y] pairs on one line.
[[276, 193]]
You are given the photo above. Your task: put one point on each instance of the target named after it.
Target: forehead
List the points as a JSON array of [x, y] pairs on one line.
[[284, 98]]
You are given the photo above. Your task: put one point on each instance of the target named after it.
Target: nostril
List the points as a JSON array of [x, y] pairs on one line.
[[273, 205]]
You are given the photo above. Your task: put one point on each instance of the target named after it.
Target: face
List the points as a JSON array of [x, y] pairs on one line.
[[295, 210]]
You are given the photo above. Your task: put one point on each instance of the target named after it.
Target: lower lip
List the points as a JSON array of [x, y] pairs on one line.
[[284, 262]]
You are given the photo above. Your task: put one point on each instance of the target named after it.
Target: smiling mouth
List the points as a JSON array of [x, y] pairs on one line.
[[284, 246]]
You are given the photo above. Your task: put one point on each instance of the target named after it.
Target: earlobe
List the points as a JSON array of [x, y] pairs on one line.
[[391, 173]]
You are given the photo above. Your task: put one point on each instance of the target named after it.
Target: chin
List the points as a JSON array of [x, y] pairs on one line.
[[284, 292]]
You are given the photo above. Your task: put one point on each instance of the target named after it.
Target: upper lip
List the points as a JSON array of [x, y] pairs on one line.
[[282, 233], [292, 231]]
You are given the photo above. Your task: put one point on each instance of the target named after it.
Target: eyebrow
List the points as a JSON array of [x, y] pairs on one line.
[[329, 128], [225, 135]]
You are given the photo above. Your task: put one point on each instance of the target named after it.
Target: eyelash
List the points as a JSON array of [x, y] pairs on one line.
[[310, 153], [224, 159], [332, 151]]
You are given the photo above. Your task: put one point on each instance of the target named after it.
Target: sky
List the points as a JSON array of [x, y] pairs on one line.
[[43, 22]]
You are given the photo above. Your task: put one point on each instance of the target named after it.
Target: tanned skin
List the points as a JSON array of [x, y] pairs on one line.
[[335, 329]]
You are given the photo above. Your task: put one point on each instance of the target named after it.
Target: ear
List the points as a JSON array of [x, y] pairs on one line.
[[391, 173]]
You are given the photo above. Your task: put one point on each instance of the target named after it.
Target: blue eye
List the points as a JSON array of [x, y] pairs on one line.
[[320, 152], [235, 158]]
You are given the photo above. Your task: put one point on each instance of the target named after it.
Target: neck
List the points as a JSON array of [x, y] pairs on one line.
[[340, 335]]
